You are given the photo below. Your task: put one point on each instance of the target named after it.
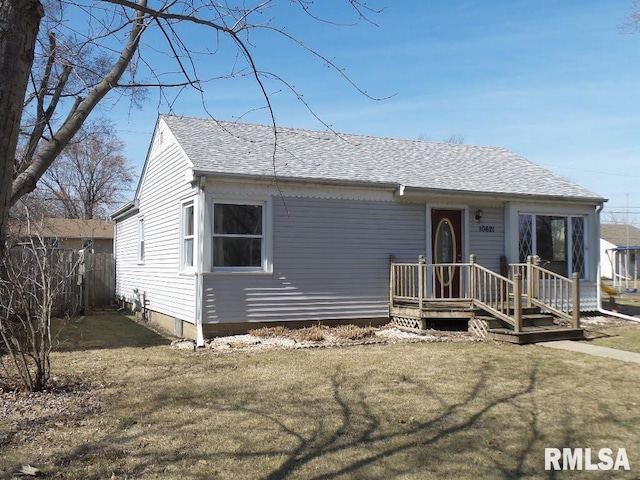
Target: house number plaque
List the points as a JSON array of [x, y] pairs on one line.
[[487, 228]]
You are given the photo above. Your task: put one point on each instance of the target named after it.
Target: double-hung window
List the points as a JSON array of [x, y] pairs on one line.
[[188, 235], [239, 236]]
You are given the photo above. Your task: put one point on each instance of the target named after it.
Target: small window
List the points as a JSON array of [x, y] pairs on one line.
[[238, 236], [188, 235], [53, 243], [141, 240], [87, 244]]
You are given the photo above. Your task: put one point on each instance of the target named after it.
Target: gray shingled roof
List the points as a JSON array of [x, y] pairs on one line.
[[244, 149], [620, 235]]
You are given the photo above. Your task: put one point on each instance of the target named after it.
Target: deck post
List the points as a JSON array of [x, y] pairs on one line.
[[517, 302], [472, 277], [392, 280], [529, 281], [421, 279], [576, 299]]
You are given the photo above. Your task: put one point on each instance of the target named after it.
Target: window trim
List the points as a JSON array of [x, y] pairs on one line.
[[569, 238], [266, 264], [184, 205], [140, 246]]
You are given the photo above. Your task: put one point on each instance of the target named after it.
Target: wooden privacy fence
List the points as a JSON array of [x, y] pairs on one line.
[[99, 280], [77, 281]]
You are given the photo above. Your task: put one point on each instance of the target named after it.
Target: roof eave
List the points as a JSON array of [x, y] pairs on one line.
[[314, 180], [125, 210], [441, 192]]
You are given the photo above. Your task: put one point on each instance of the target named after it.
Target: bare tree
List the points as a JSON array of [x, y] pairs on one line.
[[59, 61], [632, 19], [454, 139], [90, 176], [36, 278]]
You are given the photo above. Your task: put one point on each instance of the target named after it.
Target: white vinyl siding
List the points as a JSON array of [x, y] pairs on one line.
[[486, 236], [330, 261], [126, 234], [167, 290]]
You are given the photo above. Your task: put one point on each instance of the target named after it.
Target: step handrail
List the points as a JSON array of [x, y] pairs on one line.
[[554, 292], [497, 294]]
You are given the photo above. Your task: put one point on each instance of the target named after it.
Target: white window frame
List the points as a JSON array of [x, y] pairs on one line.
[[184, 237], [266, 264], [141, 247]]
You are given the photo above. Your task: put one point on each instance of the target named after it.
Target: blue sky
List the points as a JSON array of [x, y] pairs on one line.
[[556, 82]]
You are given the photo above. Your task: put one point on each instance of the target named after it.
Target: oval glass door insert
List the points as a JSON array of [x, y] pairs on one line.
[[445, 250]]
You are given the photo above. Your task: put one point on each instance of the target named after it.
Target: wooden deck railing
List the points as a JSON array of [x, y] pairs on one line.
[[416, 282], [553, 292], [496, 294], [528, 284]]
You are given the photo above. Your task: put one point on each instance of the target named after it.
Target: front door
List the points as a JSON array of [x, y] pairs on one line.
[[446, 241]]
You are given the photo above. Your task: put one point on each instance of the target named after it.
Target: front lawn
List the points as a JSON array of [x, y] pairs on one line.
[[623, 336], [439, 410]]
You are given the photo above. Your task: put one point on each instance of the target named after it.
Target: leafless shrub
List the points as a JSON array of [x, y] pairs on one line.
[[270, 332], [353, 332], [316, 333], [31, 282]]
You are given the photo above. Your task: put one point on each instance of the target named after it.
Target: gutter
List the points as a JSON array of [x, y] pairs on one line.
[[298, 180], [124, 210], [599, 278]]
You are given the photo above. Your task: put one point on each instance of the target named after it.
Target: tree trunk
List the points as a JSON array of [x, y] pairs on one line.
[[19, 25]]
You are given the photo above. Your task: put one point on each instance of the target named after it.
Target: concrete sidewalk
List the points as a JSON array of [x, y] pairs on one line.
[[595, 350]]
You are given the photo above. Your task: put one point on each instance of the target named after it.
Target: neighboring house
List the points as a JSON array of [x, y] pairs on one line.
[[70, 233], [214, 243], [619, 251]]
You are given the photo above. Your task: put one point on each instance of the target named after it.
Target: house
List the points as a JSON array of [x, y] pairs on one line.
[[69, 233], [235, 226], [619, 249]]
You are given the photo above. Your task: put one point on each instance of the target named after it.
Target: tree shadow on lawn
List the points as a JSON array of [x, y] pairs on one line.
[[103, 330], [346, 437]]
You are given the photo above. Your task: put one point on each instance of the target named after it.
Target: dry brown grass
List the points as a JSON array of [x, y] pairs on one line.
[[353, 332], [410, 411], [623, 336], [316, 333], [270, 332]]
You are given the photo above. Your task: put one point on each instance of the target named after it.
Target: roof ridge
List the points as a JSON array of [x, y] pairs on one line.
[[336, 132]]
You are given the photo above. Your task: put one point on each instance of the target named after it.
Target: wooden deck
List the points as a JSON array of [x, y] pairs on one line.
[[531, 305]]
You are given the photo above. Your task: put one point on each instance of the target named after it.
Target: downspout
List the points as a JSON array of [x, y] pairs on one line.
[[599, 279], [200, 261]]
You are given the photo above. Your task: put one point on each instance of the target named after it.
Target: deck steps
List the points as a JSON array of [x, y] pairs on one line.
[[535, 334], [536, 327]]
